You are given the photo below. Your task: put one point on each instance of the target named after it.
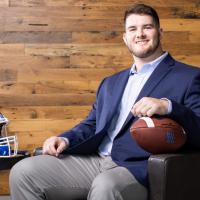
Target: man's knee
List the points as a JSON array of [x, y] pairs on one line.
[[117, 184], [102, 182], [103, 188]]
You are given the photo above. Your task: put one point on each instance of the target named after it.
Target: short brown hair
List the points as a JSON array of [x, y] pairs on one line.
[[142, 9]]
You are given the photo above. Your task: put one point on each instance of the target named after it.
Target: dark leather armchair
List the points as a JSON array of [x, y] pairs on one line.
[[6, 163], [172, 176]]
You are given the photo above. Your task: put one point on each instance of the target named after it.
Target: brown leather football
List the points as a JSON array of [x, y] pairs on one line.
[[158, 135]]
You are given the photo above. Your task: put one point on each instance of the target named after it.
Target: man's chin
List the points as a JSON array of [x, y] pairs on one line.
[[142, 54]]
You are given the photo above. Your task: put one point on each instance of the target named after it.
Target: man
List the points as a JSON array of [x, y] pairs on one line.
[[100, 160]]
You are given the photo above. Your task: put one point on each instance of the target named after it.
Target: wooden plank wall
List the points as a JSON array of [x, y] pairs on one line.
[[53, 54]]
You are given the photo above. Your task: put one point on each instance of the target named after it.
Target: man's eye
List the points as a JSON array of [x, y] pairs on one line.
[[148, 27]]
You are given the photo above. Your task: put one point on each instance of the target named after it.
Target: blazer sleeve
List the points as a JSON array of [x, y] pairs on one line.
[[188, 112], [85, 128]]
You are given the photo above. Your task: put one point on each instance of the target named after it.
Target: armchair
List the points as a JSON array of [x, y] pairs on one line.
[[174, 176]]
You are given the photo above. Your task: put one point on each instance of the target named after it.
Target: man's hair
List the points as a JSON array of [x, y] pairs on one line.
[[142, 9]]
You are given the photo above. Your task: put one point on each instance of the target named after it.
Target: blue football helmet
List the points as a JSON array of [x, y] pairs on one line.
[[8, 144]]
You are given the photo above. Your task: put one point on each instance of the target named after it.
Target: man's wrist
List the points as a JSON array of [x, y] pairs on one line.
[[169, 107], [66, 140]]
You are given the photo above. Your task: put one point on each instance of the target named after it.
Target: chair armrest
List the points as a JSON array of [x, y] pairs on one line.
[[174, 176], [7, 162]]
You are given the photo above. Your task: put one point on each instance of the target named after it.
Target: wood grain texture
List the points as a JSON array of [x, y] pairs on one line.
[[180, 24], [46, 99], [49, 87], [54, 54], [34, 37], [45, 112], [33, 62], [12, 49], [61, 3], [97, 12], [31, 23], [74, 49], [4, 185], [63, 74]]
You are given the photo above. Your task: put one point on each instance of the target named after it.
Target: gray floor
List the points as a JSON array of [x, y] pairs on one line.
[[5, 198]]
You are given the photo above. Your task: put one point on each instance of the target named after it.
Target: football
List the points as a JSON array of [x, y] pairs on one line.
[[158, 135]]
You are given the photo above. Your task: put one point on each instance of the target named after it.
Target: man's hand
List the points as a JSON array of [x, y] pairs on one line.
[[148, 106], [54, 146]]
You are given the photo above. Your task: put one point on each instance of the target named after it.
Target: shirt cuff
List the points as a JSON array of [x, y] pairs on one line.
[[66, 140], [169, 108]]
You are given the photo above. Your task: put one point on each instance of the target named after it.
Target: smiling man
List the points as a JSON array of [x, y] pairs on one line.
[[142, 37], [100, 160]]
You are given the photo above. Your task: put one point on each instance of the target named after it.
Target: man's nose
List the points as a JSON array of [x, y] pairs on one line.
[[140, 33]]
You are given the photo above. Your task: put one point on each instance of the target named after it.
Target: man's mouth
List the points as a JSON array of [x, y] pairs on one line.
[[141, 42]]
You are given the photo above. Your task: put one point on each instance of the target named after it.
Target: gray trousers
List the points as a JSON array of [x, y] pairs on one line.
[[73, 177]]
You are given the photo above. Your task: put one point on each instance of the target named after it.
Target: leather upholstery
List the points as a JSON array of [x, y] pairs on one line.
[[174, 176], [8, 162]]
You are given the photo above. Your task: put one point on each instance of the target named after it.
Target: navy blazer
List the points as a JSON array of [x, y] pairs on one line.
[[171, 79]]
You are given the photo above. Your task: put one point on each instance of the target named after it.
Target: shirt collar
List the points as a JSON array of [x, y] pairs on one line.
[[148, 66]]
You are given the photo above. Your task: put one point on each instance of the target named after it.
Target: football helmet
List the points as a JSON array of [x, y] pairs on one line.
[[8, 144]]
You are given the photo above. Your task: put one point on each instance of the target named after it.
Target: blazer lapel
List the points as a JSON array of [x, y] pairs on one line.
[[115, 88], [160, 72]]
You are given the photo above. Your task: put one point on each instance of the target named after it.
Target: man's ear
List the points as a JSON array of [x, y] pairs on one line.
[[124, 38], [161, 33]]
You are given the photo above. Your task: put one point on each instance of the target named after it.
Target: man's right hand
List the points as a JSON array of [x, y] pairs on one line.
[[54, 146]]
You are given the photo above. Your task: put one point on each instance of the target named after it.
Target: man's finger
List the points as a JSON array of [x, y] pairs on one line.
[[61, 147], [49, 146], [52, 149]]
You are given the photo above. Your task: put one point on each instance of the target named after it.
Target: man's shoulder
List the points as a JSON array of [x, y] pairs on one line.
[[179, 65], [187, 68]]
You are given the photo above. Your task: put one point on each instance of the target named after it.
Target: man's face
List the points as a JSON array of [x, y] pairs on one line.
[[142, 37]]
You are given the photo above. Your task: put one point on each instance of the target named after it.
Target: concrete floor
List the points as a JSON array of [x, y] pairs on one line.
[[5, 198]]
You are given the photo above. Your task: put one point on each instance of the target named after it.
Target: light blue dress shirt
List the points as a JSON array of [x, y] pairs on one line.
[[134, 85]]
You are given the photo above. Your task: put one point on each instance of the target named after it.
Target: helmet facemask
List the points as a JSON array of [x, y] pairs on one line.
[[8, 144]]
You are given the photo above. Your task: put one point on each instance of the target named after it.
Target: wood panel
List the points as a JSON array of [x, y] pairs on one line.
[[59, 24], [63, 74], [12, 49], [180, 24], [4, 185], [192, 60], [12, 37], [61, 3], [46, 99], [69, 49], [54, 54], [49, 87], [33, 62], [96, 12], [45, 112]]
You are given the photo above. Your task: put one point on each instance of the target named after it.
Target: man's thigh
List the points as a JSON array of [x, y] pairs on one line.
[[69, 177]]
